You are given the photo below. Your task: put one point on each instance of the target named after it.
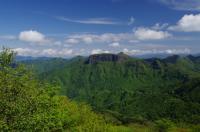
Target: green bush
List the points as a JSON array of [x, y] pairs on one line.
[[163, 125]]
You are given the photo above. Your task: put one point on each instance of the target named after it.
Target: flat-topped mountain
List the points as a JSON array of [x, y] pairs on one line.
[[92, 59]]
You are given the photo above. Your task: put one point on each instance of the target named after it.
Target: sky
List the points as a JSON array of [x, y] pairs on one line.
[[67, 28]]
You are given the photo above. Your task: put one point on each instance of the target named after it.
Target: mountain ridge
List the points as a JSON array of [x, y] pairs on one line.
[[134, 88]]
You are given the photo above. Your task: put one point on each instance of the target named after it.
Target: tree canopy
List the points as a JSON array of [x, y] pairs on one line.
[[29, 105]]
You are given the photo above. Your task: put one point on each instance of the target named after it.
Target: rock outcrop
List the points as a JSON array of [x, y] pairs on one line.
[[92, 59]]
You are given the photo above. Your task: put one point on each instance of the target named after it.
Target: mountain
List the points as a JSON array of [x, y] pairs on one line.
[[29, 58], [93, 59], [148, 56], [127, 88]]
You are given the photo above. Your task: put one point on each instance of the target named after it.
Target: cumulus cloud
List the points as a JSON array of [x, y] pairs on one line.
[[188, 23], [32, 36], [150, 34], [191, 5]]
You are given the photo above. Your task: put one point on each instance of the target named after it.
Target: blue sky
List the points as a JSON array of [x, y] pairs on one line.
[[66, 28]]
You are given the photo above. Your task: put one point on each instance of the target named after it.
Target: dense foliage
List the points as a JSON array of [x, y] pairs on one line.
[[28, 105], [133, 90]]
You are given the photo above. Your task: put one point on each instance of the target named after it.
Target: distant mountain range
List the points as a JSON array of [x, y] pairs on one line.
[[145, 56], [25, 58]]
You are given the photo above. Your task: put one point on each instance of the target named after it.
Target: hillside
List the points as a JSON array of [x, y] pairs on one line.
[[130, 89]]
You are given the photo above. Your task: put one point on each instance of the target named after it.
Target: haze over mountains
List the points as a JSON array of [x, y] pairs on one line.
[[144, 56]]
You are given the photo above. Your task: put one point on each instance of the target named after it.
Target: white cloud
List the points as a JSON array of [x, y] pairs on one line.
[[131, 52], [150, 34], [111, 37], [49, 52], [133, 37], [57, 52], [191, 5], [178, 51], [99, 51], [156, 51], [188, 23], [66, 52], [44, 52], [26, 51], [97, 21], [87, 39], [32, 36], [77, 38], [71, 41], [102, 38], [115, 44]]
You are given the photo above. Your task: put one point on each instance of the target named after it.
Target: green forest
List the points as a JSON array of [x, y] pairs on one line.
[[88, 94]]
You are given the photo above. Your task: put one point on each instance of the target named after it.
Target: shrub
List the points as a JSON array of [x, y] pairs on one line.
[[163, 125]]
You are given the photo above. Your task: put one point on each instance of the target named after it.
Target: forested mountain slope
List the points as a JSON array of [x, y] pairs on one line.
[[128, 88]]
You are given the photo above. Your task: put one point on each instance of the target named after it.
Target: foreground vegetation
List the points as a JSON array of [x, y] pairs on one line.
[[31, 105], [28, 105]]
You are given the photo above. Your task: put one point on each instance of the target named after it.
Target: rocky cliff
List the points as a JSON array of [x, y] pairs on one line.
[[106, 58]]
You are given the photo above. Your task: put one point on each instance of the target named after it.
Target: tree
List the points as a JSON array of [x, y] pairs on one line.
[[28, 105]]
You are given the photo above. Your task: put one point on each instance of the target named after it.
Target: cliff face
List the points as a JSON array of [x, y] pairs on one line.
[[106, 58]]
